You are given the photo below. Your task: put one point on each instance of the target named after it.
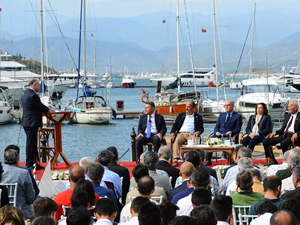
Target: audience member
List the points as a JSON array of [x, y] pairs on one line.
[[204, 214], [165, 153], [257, 179], [245, 196], [265, 211], [184, 220], [201, 196], [121, 170], [88, 187], [95, 172], [282, 174], [44, 206], [201, 154], [272, 187], [149, 214], [283, 217], [43, 220], [134, 210], [76, 173], [13, 174], [287, 183], [272, 170], [138, 172], [105, 211], [186, 170], [239, 151], [187, 124], [145, 188], [292, 205], [151, 162], [11, 215], [222, 207], [79, 216], [296, 181], [199, 178], [36, 189], [4, 193], [168, 212]]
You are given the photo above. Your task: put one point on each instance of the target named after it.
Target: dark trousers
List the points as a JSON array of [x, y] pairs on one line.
[[284, 144], [251, 142], [31, 145], [143, 140]]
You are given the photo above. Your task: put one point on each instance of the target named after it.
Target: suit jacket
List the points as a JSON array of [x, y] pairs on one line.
[[285, 122], [290, 194], [25, 191], [171, 170], [211, 171], [33, 109], [264, 125], [234, 124], [123, 172], [159, 123], [160, 180], [180, 119], [182, 187]]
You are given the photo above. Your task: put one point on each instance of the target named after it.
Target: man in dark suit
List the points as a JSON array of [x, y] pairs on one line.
[[33, 109], [187, 124], [228, 124], [121, 170], [296, 182], [152, 128], [186, 170], [164, 154], [211, 171], [288, 133]]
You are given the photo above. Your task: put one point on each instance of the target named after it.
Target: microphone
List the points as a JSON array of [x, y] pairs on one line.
[[150, 121]]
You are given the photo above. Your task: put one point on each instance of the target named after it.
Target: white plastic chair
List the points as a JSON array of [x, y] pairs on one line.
[[12, 192], [65, 208], [157, 199], [241, 210], [244, 219], [121, 180]]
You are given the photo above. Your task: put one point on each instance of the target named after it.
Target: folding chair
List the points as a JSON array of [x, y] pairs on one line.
[[12, 192], [239, 210]]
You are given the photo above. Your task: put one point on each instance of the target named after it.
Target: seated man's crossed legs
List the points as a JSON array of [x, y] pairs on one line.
[[180, 139]]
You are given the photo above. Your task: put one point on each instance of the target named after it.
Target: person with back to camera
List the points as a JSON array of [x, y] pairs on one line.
[[258, 127]]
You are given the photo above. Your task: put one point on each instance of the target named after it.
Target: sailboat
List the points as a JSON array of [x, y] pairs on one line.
[[6, 111], [88, 108]]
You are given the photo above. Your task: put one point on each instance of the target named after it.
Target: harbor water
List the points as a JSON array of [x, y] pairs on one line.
[[79, 140]]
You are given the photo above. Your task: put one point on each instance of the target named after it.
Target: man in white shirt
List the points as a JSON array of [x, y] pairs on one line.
[[265, 211], [105, 211], [79, 215], [272, 170], [134, 209], [222, 207]]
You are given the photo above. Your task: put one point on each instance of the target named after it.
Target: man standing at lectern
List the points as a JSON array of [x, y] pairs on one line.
[[152, 128], [33, 109]]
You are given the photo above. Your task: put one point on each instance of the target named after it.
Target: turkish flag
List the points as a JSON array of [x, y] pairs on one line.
[[211, 84], [203, 30], [92, 35], [144, 92]]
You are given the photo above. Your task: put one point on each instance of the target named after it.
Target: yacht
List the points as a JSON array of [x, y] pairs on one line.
[[263, 90], [127, 82]]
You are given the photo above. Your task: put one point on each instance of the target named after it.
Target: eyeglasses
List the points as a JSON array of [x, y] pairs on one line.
[[227, 105]]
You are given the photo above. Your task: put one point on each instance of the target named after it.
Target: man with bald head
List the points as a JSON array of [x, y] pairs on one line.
[[186, 170], [164, 153], [187, 124], [288, 133], [76, 173], [283, 217], [228, 124]]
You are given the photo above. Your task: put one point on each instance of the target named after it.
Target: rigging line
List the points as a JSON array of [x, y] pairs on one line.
[[242, 52], [124, 153], [59, 28]]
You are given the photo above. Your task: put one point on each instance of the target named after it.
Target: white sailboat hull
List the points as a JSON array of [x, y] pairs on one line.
[[92, 116], [6, 114]]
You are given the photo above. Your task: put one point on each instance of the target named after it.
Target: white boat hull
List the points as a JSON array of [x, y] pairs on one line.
[[6, 114], [92, 116]]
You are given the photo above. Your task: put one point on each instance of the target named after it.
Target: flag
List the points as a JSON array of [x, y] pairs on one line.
[[144, 92], [211, 84], [92, 35], [203, 30]]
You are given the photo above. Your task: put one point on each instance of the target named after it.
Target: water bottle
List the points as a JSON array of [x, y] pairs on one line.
[[190, 140]]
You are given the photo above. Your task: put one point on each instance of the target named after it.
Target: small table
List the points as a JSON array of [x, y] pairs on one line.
[[62, 117], [208, 149]]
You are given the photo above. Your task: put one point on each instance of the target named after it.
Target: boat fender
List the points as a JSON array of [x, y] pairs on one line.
[[114, 113], [170, 109], [144, 98], [72, 115]]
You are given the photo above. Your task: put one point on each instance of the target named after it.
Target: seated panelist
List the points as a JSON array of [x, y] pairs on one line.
[[259, 126], [228, 124], [151, 128], [187, 123]]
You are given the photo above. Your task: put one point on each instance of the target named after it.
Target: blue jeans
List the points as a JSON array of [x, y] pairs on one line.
[[251, 142]]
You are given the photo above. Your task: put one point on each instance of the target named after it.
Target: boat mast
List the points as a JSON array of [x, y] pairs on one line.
[[110, 69], [84, 40], [216, 60], [251, 51], [42, 49], [178, 48]]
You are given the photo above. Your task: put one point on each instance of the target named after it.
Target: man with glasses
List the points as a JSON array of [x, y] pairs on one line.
[[228, 124], [33, 110]]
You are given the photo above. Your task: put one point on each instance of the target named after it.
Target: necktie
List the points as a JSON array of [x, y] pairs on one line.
[[149, 128], [228, 118], [287, 127]]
